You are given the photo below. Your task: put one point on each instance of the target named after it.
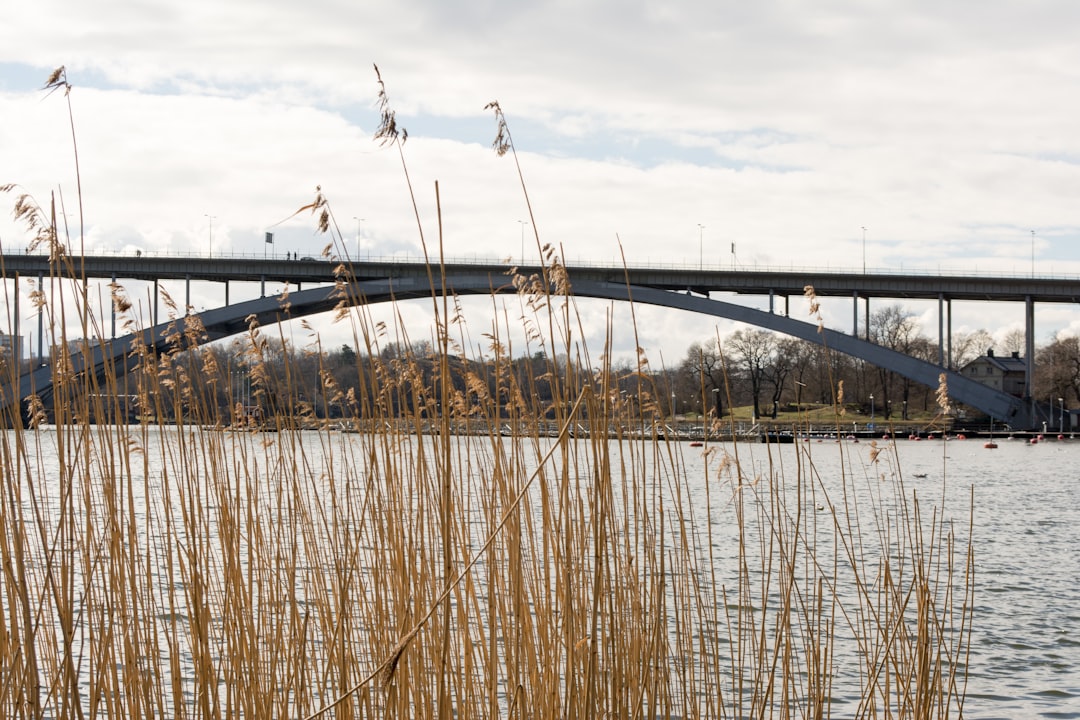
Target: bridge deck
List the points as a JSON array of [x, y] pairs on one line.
[[750, 281]]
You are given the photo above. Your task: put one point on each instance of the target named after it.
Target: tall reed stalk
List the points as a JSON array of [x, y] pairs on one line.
[[199, 566]]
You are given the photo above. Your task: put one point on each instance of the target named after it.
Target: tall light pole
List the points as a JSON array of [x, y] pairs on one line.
[[358, 221], [871, 411], [210, 250], [701, 246], [1032, 253], [1061, 415], [864, 250], [523, 224]]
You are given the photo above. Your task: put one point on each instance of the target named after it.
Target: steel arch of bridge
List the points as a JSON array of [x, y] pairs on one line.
[[234, 319]]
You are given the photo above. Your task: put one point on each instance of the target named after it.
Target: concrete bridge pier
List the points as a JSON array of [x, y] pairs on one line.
[[855, 314], [941, 330], [15, 333], [41, 320], [1029, 351]]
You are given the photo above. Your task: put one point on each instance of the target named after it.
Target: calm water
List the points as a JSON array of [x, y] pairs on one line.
[[1025, 650], [1025, 647]]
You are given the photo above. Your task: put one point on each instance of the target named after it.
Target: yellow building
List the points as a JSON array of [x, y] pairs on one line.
[[1005, 374]]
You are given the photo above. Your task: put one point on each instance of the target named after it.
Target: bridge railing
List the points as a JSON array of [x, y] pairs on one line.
[[646, 264]]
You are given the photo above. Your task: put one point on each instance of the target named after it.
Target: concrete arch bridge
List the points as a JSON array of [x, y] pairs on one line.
[[233, 319]]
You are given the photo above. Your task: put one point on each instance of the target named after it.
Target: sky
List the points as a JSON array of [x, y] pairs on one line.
[[835, 134]]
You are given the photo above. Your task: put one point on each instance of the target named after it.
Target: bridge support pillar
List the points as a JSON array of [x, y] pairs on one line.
[[262, 286], [16, 340], [948, 332], [40, 320], [226, 293], [187, 294], [855, 315], [112, 305], [772, 297], [941, 329], [156, 294], [866, 319], [1029, 350]]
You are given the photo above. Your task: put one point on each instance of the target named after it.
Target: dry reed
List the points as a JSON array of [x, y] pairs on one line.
[[195, 566]]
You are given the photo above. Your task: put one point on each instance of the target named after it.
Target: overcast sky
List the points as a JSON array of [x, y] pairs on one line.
[[903, 135]]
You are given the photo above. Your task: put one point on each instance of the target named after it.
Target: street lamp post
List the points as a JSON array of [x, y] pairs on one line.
[[1061, 415], [871, 411], [358, 221], [523, 224], [701, 246], [864, 250], [210, 249]]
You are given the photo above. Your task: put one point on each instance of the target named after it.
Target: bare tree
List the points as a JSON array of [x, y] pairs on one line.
[[895, 328], [778, 371], [1015, 342], [969, 346], [752, 352], [704, 372], [802, 358], [1057, 370]]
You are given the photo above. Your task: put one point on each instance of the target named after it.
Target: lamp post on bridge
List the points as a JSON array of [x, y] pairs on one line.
[[358, 221], [523, 224], [864, 251], [210, 248], [701, 246]]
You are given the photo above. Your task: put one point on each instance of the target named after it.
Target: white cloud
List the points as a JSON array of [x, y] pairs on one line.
[[946, 130]]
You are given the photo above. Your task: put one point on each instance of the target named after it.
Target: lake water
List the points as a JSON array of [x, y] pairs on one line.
[[1025, 642], [1025, 637]]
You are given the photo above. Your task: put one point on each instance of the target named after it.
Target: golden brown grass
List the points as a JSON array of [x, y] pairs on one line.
[[180, 568]]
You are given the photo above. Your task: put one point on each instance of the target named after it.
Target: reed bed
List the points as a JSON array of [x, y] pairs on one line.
[[185, 567], [195, 565]]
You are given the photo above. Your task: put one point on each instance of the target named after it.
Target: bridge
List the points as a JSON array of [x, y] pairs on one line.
[[680, 288]]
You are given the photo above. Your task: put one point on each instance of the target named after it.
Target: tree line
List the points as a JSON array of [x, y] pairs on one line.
[[772, 373], [750, 367]]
